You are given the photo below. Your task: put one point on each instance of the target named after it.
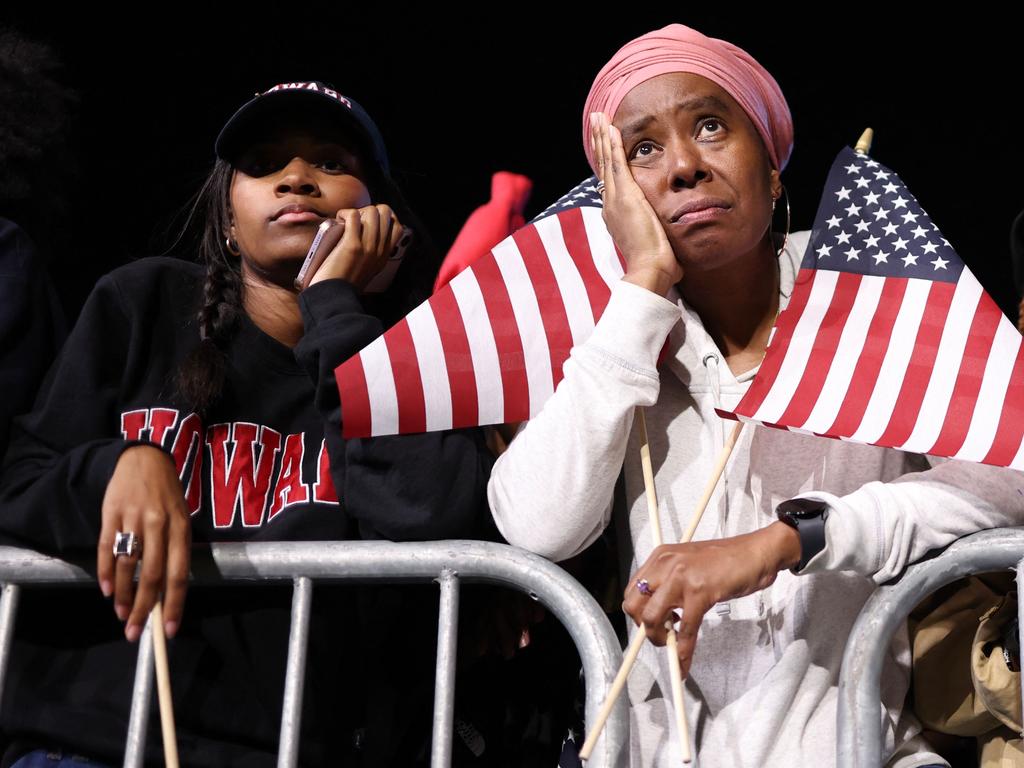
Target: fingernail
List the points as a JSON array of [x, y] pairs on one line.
[[524, 639], [122, 611], [170, 628], [132, 632], [106, 587]]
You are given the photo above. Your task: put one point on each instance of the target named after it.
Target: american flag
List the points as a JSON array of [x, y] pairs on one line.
[[888, 338], [488, 348]]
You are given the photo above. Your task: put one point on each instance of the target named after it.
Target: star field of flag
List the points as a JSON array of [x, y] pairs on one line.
[[870, 224], [582, 195], [888, 339]]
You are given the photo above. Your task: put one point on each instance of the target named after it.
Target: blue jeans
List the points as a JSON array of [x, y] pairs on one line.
[[42, 758]]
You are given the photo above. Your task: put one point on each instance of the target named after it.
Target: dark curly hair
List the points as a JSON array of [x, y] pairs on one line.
[[37, 161]]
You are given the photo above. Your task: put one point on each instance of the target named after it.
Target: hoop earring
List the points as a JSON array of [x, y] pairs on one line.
[[785, 237], [232, 247]]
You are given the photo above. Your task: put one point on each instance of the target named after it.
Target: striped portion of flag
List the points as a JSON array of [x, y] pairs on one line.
[[488, 348], [888, 338]]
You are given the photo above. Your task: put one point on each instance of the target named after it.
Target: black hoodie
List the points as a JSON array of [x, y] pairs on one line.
[[267, 463]]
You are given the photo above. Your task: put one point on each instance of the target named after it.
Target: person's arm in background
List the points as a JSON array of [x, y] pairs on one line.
[[63, 453], [32, 326]]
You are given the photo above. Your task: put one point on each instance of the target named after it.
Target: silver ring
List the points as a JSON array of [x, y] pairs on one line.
[[126, 544], [600, 187], [644, 587]]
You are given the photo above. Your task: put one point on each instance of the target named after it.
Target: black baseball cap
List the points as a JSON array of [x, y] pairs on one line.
[[285, 98]]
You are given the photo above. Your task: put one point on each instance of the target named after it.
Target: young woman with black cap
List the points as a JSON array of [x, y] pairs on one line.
[[199, 403]]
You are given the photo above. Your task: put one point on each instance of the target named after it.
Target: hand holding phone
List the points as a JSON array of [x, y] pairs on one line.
[[345, 246], [328, 235]]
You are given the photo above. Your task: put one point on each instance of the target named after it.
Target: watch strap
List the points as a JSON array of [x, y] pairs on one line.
[[808, 516]]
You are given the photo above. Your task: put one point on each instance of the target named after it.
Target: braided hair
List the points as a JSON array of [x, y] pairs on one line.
[[200, 378]]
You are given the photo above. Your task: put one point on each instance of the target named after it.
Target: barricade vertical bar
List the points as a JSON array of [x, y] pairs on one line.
[[1020, 615], [295, 677], [8, 612], [444, 680], [142, 697]]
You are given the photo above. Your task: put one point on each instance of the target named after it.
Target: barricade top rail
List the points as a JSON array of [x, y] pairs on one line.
[[321, 560], [448, 562]]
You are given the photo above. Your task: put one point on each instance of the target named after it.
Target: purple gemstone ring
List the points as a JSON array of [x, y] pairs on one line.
[[644, 587]]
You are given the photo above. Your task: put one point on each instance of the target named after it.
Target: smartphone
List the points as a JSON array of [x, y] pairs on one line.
[[328, 235]]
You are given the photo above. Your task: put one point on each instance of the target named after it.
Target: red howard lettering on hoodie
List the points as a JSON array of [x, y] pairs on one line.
[[133, 423], [189, 443], [240, 476], [324, 491], [290, 489], [243, 480], [151, 424], [161, 421]]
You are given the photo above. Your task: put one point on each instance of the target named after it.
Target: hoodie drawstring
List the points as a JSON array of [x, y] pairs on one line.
[[714, 381]]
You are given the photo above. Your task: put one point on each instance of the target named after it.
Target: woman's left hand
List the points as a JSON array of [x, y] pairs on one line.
[[695, 576]]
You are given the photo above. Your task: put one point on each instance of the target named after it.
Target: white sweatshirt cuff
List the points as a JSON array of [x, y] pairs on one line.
[[633, 328], [851, 540]]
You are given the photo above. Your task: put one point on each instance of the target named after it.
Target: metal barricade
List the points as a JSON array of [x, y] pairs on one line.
[[859, 723], [302, 563]]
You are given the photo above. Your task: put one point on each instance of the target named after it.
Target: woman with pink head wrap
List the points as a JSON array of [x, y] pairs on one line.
[[678, 48], [688, 136]]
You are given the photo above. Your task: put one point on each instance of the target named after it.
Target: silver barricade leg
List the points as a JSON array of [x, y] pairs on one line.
[[1020, 615], [8, 612], [298, 641], [444, 680], [142, 697]]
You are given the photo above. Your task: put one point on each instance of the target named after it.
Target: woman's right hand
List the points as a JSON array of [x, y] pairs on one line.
[[144, 497], [371, 235], [632, 223]]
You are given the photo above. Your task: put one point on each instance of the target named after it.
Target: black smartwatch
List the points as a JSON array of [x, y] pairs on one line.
[[808, 517]]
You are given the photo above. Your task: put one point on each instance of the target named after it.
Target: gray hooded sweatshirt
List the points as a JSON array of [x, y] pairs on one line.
[[763, 686]]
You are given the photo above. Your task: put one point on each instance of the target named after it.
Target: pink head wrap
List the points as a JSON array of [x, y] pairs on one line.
[[677, 48]]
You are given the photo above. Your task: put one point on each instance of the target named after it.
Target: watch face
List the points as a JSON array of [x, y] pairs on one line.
[[802, 509]]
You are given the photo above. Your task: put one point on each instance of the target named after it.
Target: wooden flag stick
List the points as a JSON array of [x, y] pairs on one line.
[[863, 146], [163, 685], [716, 473], [670, 646], [629, 658]]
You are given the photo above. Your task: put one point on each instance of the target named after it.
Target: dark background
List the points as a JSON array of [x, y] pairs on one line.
[[459, 95]]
